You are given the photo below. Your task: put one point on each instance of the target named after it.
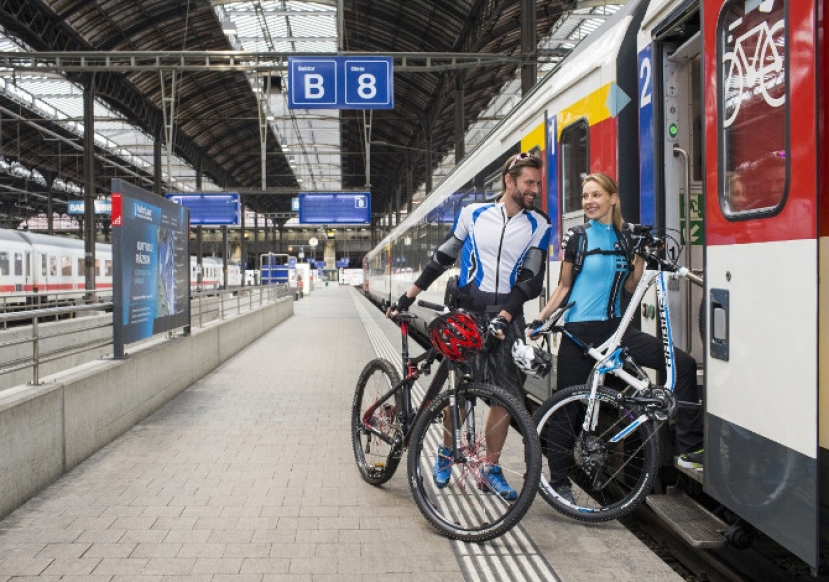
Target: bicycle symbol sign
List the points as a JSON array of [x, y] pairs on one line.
[[754, 66]]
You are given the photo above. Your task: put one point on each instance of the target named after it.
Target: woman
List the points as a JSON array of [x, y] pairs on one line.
[[597, 266]]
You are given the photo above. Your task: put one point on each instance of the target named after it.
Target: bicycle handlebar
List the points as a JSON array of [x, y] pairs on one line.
[[433, 306], [648, 244]]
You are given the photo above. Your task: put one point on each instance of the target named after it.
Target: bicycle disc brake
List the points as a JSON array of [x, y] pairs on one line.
[[590, 454]]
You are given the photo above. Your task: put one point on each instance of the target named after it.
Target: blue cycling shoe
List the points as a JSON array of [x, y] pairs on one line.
[[442, 471], [493, 481]]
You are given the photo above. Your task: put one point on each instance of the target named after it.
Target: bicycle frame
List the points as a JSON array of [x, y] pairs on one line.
[[408, 416], [609, 355]]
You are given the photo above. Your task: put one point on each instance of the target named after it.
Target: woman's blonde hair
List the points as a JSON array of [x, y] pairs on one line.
[[608, 184]]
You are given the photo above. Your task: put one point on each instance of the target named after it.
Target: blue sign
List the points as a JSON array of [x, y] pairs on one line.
[[78, 207], [334, 207], [647, 151], [210, 209], [341, 83]]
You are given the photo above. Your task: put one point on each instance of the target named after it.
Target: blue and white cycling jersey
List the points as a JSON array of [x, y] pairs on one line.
[[494, 247]]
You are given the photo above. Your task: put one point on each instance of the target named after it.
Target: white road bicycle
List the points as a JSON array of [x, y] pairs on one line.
[[614, 455]]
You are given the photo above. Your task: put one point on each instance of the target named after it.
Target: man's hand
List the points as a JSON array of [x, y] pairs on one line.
[[401, 304], [498, 326]]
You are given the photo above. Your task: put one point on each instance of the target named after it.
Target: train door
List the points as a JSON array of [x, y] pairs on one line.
[[761, 155], [671, 178]]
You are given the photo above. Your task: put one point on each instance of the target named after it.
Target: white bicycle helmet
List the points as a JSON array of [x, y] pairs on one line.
[[532, 361]]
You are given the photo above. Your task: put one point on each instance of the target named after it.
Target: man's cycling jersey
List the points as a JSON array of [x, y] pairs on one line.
[[601, 255], [502, 259], [494, 247]]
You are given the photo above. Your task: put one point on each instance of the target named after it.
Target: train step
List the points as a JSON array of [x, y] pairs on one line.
[[696, 525]]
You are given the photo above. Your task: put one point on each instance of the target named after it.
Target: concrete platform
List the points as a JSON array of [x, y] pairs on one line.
[[249, 476]]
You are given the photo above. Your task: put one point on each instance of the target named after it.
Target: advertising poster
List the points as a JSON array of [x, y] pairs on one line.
[[152, 264]]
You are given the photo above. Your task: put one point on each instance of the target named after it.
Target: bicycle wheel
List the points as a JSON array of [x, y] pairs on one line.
[[467, 508], [733, 80], [376, 458], [608, 479]]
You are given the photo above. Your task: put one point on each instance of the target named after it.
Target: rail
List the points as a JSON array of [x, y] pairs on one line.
[[35, 345]]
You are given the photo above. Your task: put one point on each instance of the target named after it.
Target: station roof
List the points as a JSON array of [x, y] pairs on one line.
[[218, 112]]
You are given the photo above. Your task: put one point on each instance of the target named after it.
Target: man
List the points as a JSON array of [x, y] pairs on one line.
[[503, 252]]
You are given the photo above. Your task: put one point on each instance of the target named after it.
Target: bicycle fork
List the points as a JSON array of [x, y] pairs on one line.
[[456, 422]]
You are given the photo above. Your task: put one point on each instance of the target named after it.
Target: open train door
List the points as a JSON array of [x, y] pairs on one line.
[[761, 277]]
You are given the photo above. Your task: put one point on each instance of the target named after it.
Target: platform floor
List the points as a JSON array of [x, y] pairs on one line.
[[249, 476]]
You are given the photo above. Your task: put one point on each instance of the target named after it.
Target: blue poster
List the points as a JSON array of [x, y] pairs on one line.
[[152, 264]]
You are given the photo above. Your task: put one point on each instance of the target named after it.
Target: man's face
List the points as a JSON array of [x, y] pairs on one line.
[[525, 187]]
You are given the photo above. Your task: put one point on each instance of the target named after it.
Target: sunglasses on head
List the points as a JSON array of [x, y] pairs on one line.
[[516, 159]]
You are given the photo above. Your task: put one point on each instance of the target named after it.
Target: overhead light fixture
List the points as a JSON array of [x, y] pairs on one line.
[[228, 26]]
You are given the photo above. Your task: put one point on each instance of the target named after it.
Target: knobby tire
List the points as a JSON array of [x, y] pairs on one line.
[[466, 509], [609, 480], [376, 459]]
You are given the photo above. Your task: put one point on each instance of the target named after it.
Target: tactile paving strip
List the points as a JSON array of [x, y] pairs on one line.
[[511, 557]]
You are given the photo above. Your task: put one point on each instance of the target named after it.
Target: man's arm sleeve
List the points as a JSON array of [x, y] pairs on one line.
[[443, 258]]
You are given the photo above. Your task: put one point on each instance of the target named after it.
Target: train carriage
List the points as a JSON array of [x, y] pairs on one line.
[[39, 268], [49, 268], [712, 116]]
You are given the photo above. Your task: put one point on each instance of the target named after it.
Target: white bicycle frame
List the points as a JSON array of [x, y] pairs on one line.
[[608, 355]]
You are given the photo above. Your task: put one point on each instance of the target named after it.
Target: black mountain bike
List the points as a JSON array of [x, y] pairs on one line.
[[385, 421]]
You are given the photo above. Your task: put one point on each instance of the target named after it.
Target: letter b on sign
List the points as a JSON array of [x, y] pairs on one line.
[[314, 88], [313, 83]]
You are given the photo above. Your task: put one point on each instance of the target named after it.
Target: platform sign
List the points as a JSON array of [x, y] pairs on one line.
[[210, 209], [334, 207], [341, 83], [79, 206]]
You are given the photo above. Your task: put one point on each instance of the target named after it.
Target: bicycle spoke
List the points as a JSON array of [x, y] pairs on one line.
[[468, 507], [376, 430], [608, 479]]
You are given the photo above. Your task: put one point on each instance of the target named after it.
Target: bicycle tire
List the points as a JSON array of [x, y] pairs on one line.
[[465, 509], [376, 459], [608, 479]]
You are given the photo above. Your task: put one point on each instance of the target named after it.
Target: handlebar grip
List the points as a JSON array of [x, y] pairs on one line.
[[692, 277], [430, 305], [636, 229]]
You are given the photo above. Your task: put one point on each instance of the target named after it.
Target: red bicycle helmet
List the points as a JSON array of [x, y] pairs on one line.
[[455, 335]]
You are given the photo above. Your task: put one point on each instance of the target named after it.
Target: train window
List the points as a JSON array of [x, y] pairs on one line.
[[53, 266], [107, 268], [28, 264], [753, 74], [4, 265], [81, 269], [43, 266], [575, 165], [66, 266], [18, 264]]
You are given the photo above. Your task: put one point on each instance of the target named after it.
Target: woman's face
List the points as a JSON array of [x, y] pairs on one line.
[[597, 202]]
